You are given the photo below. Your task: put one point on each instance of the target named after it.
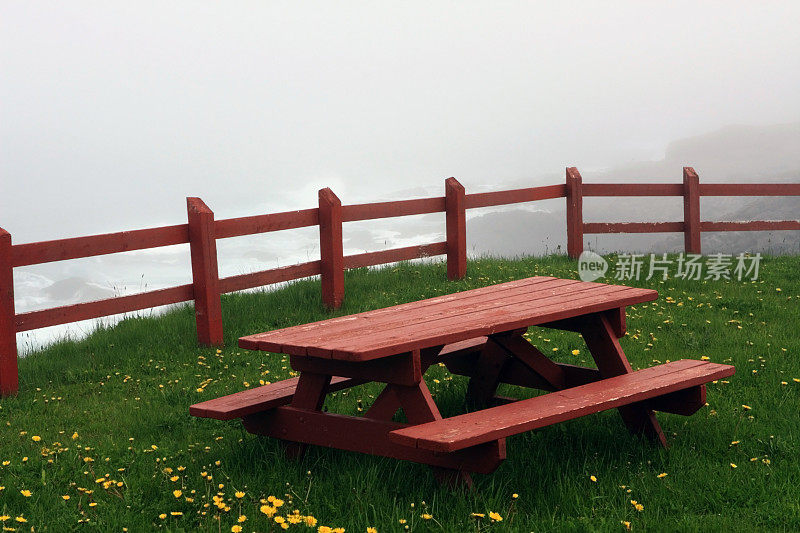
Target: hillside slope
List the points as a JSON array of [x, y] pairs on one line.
[[100, 433]]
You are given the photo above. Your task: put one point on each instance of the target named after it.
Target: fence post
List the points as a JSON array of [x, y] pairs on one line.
[[205, 276], [574, 213], [9, 376], [456, 223], [330, 249], [691, 211]]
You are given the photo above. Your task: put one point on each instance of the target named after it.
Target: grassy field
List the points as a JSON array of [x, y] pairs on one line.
[[100, 437]]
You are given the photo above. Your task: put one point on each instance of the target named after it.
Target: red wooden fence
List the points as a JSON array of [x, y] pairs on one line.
[[202, 231], [691, 190]]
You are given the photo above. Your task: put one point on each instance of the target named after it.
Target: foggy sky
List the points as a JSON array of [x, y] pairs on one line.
[[111, 113]]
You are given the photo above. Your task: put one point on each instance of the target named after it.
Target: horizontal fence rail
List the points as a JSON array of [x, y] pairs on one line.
[[202, 231], [100, 308], [750, 189], [690, 190], [110, 243], [421, 206], [632, 189], [532, 194], [633, 227], [269, 277], [395, 254], [757, 225], [238, 227]]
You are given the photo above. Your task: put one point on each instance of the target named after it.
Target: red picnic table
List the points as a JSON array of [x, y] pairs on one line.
[[476, 333]]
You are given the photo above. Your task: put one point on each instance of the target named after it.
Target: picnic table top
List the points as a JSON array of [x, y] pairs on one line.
[[447, 319]]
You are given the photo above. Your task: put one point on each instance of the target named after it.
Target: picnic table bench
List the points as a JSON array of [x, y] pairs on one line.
[[477, 333]]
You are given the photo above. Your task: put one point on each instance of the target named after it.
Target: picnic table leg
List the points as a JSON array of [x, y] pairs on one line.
[[483, 384], [309, 394], [602, 342], [419, 407], [516, 345], [387, 403]]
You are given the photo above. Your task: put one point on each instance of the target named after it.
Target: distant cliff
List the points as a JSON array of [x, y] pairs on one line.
[[730, 154]]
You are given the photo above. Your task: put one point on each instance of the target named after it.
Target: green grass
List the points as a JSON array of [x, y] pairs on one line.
[[126, 390]]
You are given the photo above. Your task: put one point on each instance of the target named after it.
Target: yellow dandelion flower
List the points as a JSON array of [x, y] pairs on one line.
[[733, 465], [662, 474], [372, 530], [478, 515], [162, 516], [426, 516], [324, 529], [65, 497], [593, 479], [495, 516], [310, 521], [268, 510], [93, 504], [26, 493], [576, 352], [241, 518], [177, 493], [515, 495], [4, 517], [279, 520], [36, 438], [239, 494], [236, 529], [21, 519], [627, 525], [746, 407], [75, 436], [277, 502]]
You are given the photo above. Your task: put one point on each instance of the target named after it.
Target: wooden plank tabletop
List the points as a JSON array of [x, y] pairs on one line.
[[447, 319]]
